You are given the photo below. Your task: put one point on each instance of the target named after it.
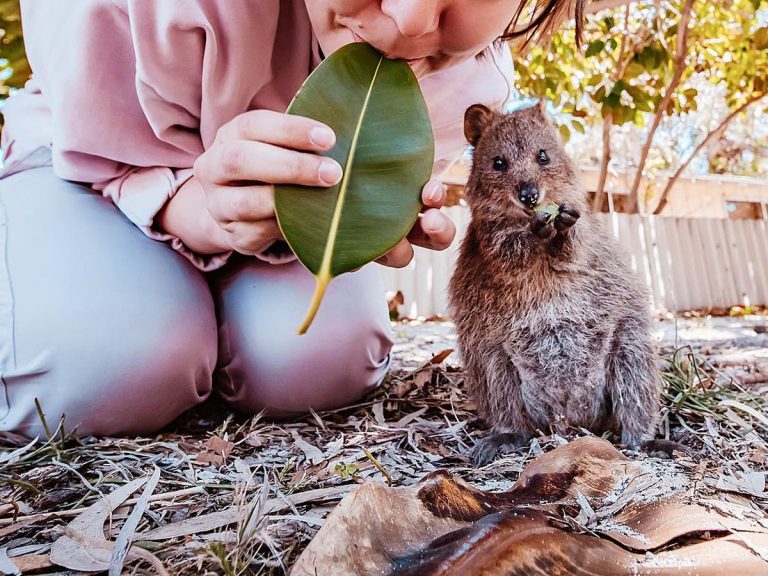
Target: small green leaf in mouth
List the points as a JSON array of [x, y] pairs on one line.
[[385, 146], [551, 210]]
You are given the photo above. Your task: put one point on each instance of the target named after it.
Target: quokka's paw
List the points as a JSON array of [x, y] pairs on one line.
[[566, 217], [493, 445], [542, 225]]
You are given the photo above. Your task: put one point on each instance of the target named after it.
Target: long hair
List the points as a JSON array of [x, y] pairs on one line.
[[546, 16]]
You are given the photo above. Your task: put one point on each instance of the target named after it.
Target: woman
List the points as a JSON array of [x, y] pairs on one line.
[[140, 261]]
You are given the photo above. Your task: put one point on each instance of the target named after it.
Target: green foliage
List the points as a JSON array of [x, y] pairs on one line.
[[725, 45], [14, 68], [385, 147]]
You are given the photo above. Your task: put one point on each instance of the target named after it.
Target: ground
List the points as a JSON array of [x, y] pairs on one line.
[[250, 494]]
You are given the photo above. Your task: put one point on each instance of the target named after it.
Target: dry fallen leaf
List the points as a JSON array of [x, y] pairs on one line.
[[441, 356], [72, 554], [6, 564], [445, 526], [32, 563], [123, 540], [83, 546], [215, 451], [313, 454]]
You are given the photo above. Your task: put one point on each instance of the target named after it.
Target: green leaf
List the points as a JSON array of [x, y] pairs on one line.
[[613, 100], [551, 210], [385, 147], [634, 70], [595, 48]]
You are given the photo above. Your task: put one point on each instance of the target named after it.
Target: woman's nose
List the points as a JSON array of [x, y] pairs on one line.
[[413, 18]]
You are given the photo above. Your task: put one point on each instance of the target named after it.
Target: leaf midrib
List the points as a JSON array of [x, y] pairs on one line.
[[325, 265]]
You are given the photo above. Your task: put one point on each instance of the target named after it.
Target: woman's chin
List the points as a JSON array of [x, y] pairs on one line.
[[332, 41]]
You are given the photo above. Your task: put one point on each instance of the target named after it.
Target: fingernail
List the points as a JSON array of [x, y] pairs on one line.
[[330, 172], [322, 136], [430, 227], [435, 192]]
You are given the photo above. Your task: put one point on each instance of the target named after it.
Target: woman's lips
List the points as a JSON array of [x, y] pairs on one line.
[[359, 38]]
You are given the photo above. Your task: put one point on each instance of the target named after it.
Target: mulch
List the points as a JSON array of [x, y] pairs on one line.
[[234, 495]]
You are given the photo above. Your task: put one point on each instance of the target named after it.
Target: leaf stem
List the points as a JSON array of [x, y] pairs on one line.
[[320, 286]]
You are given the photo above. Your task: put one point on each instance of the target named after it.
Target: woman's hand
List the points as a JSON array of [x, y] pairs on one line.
[[251, 153], [433, 229], [229, 203]]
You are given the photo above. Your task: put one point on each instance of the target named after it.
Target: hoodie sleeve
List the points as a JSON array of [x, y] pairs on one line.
[[127, 86]]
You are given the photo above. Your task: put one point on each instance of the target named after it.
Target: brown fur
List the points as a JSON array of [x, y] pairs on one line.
[[553, 325]]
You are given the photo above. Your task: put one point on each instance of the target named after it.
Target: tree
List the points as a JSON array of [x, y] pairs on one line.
[[740, 65], [14, 68], [642, 61]]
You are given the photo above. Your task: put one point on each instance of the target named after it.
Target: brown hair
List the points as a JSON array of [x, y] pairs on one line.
[[546, 16]]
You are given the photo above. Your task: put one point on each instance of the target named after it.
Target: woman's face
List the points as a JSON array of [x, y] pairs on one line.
[[430, 34]]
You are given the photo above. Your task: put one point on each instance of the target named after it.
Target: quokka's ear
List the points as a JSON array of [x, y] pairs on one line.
[[476, 119], [541, 109]]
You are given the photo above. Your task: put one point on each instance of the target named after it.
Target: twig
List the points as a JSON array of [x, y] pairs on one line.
[[41, 415], [379, 467]]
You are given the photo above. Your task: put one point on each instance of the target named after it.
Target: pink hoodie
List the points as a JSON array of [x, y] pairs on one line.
[[128, 93]]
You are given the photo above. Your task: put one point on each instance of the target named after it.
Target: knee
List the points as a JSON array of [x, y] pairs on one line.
[[121, 374], [334, 364]]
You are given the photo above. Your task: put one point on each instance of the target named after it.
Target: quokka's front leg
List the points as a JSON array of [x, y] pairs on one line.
[[545, 227]]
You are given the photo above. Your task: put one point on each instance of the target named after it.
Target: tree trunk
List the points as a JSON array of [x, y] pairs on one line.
[[597, 203], [621, 67], [671, 182], [682, 52]]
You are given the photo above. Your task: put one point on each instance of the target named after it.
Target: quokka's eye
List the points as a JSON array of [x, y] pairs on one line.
[[542, 158], [499, 164]]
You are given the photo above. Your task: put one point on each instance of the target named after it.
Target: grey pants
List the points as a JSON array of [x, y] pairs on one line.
[[121, 334]]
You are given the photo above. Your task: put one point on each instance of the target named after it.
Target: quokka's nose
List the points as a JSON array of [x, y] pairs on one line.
[[528, 194]]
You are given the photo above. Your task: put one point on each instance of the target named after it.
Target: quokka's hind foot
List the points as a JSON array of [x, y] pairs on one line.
[[493, 445], [665, 448]]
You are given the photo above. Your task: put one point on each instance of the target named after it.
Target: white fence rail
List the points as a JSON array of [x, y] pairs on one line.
[[687, 263]]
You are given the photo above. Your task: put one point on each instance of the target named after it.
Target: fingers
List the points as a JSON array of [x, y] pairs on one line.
[[242, 203], [433, 230], [251, 238], [433, 194], [258, 162], [400, 256], [564, 222], [541, 226], [279, 129], [566, 217]]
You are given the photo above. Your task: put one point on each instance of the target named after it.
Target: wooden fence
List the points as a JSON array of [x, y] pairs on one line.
[[687, 263]]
